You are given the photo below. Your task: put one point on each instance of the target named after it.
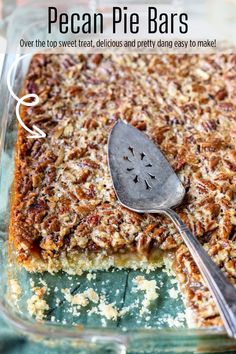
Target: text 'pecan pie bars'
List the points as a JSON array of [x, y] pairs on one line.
[[65, 214]]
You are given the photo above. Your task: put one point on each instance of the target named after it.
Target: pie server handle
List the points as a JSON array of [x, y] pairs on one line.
[[223, 291]]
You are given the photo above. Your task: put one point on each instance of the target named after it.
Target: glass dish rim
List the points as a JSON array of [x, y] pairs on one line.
[[56, 331]]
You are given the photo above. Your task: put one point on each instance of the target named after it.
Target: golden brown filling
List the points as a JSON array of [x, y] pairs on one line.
[[63, 199]]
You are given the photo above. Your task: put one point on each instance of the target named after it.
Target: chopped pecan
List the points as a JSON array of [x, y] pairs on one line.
[[82, 176], [36, 179], [26, 185], [143, 243], [93, 219], [58, 132], [49, 244], [64, 204], [81, 194], [89, 163], [76, 153], [52, 224], [159, 232], [229, 165], [213, 162], [60, 157], [158, 133], [84, 209], [91, 123], [225, 225], [51, 174], [74, 90], [232, 155], [96, 58], [213, 209], [32, 87], [149, 228], [141, 125], [205, 184], [68, 130], [226, 106], [26, 232], [36, 211], [209, 125], [41, 118], [221, 94], [212, 144]]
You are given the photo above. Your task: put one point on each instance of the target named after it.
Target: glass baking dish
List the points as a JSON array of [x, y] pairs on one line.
[[86, 334]]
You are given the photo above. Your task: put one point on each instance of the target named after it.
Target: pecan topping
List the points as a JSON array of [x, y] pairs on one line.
[[63, 201]]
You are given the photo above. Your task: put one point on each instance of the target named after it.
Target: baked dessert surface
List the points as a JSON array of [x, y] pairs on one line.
[[64, 211]]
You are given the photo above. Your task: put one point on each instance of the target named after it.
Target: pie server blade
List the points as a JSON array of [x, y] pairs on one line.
[[143, 179]]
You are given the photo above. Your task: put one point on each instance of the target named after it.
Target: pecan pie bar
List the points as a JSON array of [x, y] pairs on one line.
[[65, 214]]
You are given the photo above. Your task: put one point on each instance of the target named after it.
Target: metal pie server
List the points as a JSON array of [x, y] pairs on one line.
[[145, 182]]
